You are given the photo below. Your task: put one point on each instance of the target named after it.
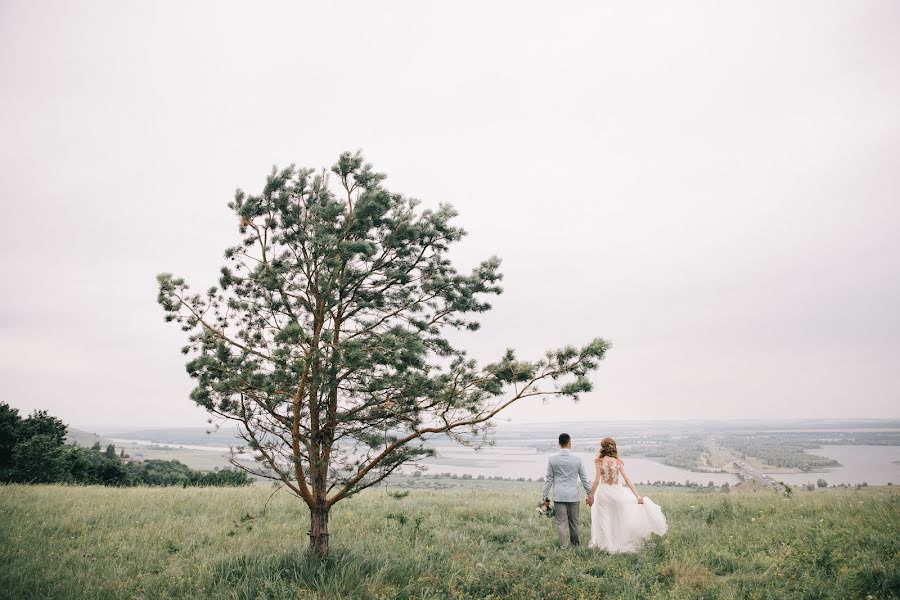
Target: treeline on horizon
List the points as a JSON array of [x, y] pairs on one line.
[[33, 450]]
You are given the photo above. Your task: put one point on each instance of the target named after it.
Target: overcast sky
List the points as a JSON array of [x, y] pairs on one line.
[[711, 185]]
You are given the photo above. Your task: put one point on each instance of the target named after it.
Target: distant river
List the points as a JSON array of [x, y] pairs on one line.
[[171, 446], [876, 465], [220, 450]]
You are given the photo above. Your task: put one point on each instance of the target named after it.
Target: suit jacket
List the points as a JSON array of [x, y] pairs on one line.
[[564, 470]]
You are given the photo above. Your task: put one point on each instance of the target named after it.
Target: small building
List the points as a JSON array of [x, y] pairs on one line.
[[137, 457]]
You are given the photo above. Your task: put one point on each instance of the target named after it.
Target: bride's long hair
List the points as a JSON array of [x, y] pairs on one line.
[[608, 448]]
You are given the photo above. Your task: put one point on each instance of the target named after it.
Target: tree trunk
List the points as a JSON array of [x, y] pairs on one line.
[[318, 532]]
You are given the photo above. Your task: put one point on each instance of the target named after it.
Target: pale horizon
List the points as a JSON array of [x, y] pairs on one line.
[[502, 423]]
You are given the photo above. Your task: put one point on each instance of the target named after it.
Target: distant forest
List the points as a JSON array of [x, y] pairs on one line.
[[33, 450]]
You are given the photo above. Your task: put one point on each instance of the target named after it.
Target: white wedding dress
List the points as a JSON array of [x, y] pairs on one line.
[[618, 522]]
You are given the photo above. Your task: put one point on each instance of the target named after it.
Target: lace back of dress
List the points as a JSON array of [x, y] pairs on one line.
[[609, 471]]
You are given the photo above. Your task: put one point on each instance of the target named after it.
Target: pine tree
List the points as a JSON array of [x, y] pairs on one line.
[[326, 341]]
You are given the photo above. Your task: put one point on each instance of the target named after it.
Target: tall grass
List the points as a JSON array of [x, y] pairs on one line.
[[92, 542]]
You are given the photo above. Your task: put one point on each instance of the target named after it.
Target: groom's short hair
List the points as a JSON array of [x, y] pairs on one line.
[[564, 439]]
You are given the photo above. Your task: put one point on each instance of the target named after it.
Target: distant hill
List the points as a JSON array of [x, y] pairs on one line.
[[84, 438]]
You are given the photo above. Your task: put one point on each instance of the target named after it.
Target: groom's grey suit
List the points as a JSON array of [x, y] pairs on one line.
[[564, 470]]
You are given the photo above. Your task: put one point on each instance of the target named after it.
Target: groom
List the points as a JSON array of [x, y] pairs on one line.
[[564, 470]]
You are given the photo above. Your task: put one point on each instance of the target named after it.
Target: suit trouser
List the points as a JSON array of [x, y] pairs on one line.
[[567, 522]]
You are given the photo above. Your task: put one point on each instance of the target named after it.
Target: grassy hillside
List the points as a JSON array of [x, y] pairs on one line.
[[69, 542]]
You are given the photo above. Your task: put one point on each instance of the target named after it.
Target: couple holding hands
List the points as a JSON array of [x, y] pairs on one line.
[[620, 517]]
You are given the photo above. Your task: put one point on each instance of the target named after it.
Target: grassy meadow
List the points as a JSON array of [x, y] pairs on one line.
[[94, 542]]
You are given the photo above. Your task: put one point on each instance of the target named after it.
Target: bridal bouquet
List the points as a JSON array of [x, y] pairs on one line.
[[546, 510]]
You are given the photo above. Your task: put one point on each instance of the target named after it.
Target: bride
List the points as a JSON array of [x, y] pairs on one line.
[[620, 520]]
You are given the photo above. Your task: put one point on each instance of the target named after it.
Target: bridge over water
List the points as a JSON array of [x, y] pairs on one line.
[[747, 472]]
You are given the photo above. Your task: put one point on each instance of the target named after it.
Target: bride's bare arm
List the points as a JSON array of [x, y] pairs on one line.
[[628, 482], [596, 479]]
